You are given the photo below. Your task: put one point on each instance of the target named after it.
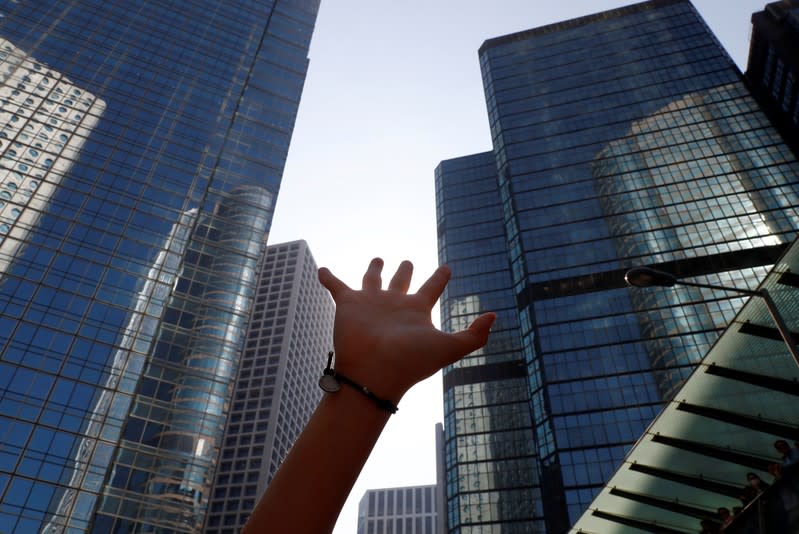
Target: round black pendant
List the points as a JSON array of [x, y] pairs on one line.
[[329, 383]]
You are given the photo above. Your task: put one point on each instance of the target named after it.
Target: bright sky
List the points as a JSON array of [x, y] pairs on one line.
[[393, 88]]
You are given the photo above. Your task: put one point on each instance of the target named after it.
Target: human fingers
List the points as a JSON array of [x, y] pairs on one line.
[[402, 278], [371, 279], [434, 285], [475, 336], [331, 283]]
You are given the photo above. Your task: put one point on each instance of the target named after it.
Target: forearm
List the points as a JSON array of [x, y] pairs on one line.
[[314, 481], [385, 340]]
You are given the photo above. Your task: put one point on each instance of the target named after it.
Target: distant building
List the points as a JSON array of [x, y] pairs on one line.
[[290, 333], [773, 68], [408, 510], [441, 481]]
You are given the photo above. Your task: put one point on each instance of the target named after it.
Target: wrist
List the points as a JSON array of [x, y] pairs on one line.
[[377, 383], [333, 380], [351, 403]]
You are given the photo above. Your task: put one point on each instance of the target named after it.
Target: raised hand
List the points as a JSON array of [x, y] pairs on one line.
[[385, 339]]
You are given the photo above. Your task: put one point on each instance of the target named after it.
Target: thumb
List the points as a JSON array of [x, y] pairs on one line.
[[476, 335]]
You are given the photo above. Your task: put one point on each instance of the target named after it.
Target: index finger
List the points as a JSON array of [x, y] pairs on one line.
[[435, 285]]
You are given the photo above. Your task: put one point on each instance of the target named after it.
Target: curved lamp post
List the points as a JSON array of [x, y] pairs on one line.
[[648, 277]]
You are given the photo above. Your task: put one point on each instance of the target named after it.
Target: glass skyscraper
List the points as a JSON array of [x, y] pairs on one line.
[[619, 139], [489, 454], [773, 67], [141, 150]]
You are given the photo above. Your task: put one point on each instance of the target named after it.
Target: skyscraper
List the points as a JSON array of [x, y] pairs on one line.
[[773, 67], [490, 461], [277, 389], [142, 149], [621, 138]]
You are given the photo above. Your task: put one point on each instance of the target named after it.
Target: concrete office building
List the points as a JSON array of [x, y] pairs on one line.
[[407, 510], [619, 139], [290, 334], [142, 150]]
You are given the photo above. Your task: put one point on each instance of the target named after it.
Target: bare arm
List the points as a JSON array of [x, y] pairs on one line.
[[384, 340]]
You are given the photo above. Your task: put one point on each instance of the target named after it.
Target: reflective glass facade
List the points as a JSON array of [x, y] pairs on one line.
[[142, 147], [490, 460], [620, 139], [773, 68], [698, 457]]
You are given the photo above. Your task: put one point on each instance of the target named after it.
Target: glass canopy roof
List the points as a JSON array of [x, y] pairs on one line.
[[722, 425]]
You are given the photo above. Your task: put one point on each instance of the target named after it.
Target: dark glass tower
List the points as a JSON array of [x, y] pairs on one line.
[[490, 461], [773, 67], [621, 138], [142, 146]]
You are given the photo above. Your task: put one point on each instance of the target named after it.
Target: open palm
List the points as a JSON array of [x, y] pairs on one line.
[[385, 340]]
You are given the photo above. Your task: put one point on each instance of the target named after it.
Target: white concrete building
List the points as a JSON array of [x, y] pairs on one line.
[[290, 334]]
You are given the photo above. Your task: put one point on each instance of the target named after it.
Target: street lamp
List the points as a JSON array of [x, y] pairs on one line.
[[648, 277]]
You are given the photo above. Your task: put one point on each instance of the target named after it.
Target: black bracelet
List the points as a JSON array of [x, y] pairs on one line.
[[330, 381]]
